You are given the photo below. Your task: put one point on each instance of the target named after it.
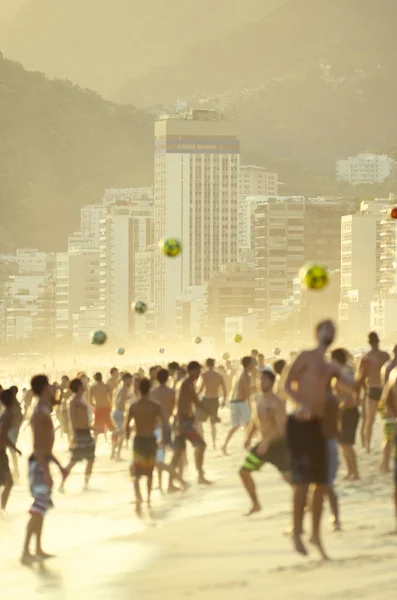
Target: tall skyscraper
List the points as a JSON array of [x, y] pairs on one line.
[[289, 232], [127, 228], [197, 158]]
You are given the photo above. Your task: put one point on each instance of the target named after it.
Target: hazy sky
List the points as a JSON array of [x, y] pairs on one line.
[[8, 8]]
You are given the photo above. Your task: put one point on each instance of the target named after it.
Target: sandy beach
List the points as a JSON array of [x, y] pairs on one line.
[[198, 544]]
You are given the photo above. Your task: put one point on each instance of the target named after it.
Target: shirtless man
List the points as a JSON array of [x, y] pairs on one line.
[[212, 383], [270, 419], [307, 385], [122, 401], [17, 419], [101, 399], [348, 415], [83, 444], [113, 382], [390, 425], [187, 401], [64, 407], [39, 466], [164, 396], [145, 413], [370, 376], [6, 441], [240, 409], [390, 400]]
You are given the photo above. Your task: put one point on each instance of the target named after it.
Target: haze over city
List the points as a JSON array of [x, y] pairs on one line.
[[183, 181]]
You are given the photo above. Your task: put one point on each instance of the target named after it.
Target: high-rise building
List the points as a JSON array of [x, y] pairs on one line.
[[255, 182], [290, 231], [90, 221], [62, 316], [360, 264], [230, 293], [365, 168], [388, 251], [197, 159], [127, 228]]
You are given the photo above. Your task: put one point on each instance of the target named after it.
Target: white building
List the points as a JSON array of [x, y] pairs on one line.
[[90, 221], [84, 322], [383, 318], [62, 317], [115, 195], [127, 228], [365, 168], [360, 263], [388, 250], [255, 182], [196, 200], [21, 294], [30, 261]]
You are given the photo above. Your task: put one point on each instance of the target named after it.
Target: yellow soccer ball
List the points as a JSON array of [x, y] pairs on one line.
[[314, 276], [171, 247], [238, 338]]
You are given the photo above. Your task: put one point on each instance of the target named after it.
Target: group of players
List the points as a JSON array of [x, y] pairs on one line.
[[299, 412]]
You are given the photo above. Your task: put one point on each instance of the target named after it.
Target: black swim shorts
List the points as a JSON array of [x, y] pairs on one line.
[[308, 451]]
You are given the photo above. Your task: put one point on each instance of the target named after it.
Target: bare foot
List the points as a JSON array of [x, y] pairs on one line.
[[299, 547], [138, 509], [354, 478], [224, 451], [172, 489], [44, 556], [255, 509], [27, 559], [336, 527], [315, 541], [204, 481]]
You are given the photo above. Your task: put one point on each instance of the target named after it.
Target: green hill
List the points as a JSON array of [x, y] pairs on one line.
[[60, 146]]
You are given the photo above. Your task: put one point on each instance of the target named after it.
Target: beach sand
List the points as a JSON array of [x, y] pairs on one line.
[[198, 544]]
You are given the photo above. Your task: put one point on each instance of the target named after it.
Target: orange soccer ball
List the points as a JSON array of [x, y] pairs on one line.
[[393, 212]]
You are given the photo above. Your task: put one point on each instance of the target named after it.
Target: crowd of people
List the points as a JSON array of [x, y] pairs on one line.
[[296, 414]]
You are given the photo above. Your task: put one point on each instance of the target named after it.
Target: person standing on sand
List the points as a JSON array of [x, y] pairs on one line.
[[101, 399], [212, 383], [146, 414], [39, 467], [370, 375], [269, 418], [6, 441], [307, 385], [389, 422], [188, 403], [83, 443], [123, 399], [348, 415], [240, 409], [330, 425]]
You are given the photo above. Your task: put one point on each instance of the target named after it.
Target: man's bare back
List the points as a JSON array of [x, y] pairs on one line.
[[371, 367], [146, 415], [101, 395], [213, 384], [165, 398]]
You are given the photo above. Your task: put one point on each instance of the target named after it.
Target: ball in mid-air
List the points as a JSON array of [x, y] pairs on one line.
[[121, 351], [171, 247], [238, 338], [276, 351], [98, 338], [198, 340], [393, 212], [140, 307], [162, 350], [314, 277], [225, 356]]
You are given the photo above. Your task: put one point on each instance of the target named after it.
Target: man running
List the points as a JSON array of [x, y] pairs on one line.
[[101, 399], [145, 413], [6, 441], [370, 376], [39, 466], [212, 383], [269, 418], [17, 419], [307, 386], [83, 444], [66, 394], [188, 403], [240, 409]]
